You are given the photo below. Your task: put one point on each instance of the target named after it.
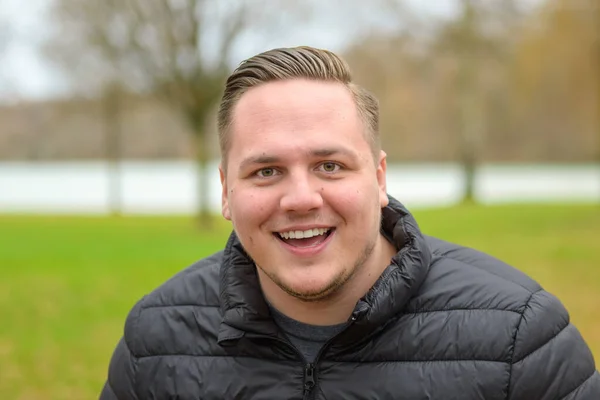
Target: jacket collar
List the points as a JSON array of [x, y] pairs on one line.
[[245, 310]]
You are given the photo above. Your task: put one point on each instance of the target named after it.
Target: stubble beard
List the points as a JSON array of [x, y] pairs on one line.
[[335, 286]]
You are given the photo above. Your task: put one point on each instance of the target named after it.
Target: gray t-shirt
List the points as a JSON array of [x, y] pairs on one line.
[[308, 339]]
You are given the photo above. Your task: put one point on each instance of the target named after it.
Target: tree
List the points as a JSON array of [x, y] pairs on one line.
[[556, 81], [595, 11], [595, 6], [470, 113], [178, 50], [112, 110], [473, 41]]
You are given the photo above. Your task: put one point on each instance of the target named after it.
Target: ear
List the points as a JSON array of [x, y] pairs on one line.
[[381, 179], [224, 200]]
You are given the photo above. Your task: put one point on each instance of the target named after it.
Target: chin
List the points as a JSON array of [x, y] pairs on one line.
[[310, 289]]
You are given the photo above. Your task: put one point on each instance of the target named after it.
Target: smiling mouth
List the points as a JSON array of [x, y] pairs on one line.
[[304, 239]]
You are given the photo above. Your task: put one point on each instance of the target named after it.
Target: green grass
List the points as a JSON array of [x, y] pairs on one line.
[[67, 283]]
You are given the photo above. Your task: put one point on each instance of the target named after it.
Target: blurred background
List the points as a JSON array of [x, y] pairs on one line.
[[490, 116]]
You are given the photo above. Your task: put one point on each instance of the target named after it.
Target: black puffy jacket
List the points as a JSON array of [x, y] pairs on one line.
[[442, 322]]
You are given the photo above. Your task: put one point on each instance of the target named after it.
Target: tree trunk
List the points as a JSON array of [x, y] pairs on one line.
[[469, 107], [112, 122], [597, 4], [470, 127], [469, 114], [204, 217], [204, 214]]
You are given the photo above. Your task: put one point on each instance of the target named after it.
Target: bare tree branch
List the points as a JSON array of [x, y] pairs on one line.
[[160, 47]]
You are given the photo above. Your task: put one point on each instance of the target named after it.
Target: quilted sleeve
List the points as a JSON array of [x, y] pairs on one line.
[[120, 383], [551, 361]]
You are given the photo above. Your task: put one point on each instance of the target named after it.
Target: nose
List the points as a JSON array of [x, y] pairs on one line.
[[301, 195]]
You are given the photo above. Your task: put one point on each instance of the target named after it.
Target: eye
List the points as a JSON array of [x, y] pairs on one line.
[[266, 172], [329, 167]]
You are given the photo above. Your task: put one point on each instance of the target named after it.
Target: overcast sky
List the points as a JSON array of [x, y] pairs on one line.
[[25, 74]]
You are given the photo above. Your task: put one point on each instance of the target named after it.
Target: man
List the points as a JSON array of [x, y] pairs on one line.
[[327, 289]]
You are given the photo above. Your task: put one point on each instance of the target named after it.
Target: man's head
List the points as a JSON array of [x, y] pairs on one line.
[[303, 177], [295, 63]]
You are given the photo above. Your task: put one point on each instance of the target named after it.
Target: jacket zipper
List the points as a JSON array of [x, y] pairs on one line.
[[309, 369], [309, 379]]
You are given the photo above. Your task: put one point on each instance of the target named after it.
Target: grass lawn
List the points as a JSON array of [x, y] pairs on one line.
[[67, 283]]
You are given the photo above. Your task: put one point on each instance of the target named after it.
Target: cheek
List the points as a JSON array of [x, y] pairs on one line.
[[356, 205], [348, 203], [249, 207]]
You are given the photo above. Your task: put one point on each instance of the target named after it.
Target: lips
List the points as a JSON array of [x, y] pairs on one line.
[[305, 242], [306, 247]]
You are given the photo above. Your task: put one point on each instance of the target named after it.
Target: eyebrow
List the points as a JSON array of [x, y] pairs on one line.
[[325, 152]]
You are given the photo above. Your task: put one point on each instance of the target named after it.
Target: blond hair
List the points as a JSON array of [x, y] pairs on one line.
[[289, 63]]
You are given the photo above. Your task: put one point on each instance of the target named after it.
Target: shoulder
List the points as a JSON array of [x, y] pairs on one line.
[[495, 311], [175, 307], [473, 306], [464, 278], [197, 284]]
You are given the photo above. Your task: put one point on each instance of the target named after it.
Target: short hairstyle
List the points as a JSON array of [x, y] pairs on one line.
[[289, 63]]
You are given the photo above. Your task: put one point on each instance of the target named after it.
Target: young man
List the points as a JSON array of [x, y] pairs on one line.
[[327, 289]]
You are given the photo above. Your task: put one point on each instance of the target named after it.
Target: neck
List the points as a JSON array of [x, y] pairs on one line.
[[336, 308]]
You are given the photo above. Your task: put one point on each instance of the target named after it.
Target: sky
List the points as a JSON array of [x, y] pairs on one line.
[[25, 74]]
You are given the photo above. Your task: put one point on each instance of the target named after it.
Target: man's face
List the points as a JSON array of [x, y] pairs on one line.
[[301, 186]]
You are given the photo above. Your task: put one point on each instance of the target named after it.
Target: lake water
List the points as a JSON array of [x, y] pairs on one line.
[[170, 187]]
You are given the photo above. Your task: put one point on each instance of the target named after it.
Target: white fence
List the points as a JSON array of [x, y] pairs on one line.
[[170, 187]]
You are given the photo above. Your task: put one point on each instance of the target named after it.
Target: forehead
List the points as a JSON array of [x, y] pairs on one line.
[[297, 107], [295, 89]]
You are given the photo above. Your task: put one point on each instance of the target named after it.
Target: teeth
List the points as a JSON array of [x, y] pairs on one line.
[[303, 234]]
